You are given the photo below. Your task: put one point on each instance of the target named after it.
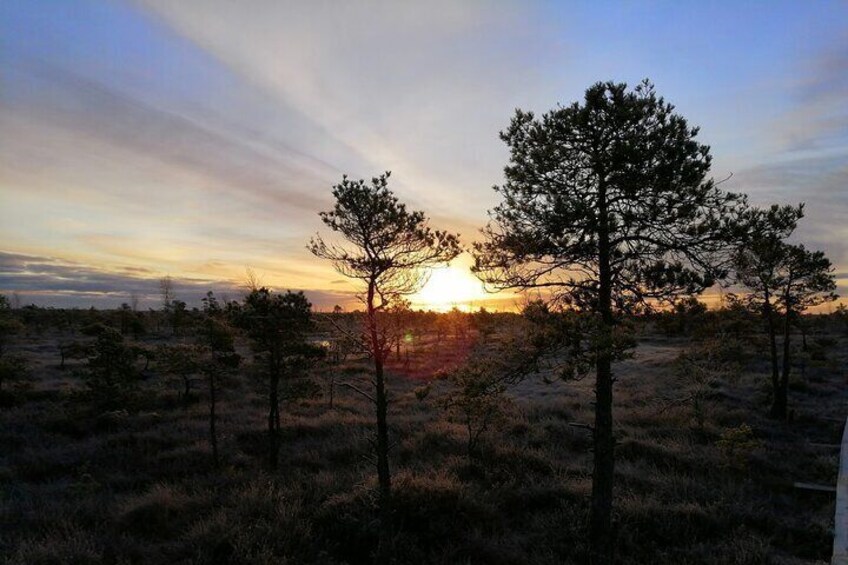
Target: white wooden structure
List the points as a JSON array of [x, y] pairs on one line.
[[840, 520]]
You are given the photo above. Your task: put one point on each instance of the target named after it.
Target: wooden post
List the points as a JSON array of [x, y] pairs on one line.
[[840, 519]]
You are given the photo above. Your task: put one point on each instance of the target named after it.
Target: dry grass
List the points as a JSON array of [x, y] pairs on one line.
[[140, 487]]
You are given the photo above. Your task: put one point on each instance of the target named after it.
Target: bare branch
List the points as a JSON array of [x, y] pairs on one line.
[[360, 391]]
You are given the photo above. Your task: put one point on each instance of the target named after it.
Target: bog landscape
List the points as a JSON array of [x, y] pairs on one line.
[[628, 359]]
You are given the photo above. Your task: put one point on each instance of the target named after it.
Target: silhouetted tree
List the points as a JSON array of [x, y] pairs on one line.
[[12, 367], [110, 373], [758, 263], [183, 361], [9, 325], [389, 250], [220, 358], [73, 350], [178, 313], [484, 322], [698, 367], [809, 281], [458, 322], [277, 325], [345, 339], [130, 321], [784, 280], [606, 205], [166, 290], [683, 317], [212, 357], [442, 326], [211, 306], [841, 315], [477, 398], [345, 336], [125, 315], [400, 315]]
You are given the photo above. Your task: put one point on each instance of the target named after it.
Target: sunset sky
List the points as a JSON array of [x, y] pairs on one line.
[[198, 138]]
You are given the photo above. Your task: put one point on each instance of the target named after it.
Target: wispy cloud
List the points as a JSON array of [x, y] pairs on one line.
[[821, 182], [819, 116], [201, 136], [53, 281], [421, 89], [808, 161], [272, 176]]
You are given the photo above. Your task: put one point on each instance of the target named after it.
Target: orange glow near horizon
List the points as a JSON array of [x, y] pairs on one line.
[[450, 287]]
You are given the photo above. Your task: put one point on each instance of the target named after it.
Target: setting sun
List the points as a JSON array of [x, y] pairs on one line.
[[449, 287], [424, 281]]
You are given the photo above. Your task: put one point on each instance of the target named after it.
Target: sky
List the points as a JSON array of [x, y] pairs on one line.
[[200, 138]]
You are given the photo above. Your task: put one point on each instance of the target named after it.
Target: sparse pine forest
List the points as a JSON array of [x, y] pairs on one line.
[[612, 418]]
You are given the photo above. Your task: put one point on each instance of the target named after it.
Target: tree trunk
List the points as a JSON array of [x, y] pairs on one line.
[[384, 553], [781, 404], [604, 462], [604, 465], [213, 435], [803, 329], [186, 391], [383, 473], [775, 373], [274, 421]]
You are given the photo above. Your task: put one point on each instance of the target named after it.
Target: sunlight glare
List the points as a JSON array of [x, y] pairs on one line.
[[450, 287]]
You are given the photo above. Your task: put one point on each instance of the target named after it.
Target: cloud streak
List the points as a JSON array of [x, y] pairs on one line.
[[419, 89], [199, 137], [53, 281]]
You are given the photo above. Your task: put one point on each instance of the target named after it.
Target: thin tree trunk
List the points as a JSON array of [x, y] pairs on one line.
[[604, 461], [604, 465], [781, 410], [803, 349], [384, 553], [775, 372], [186, 391], [213, 435], [383, 472], [274, 421]]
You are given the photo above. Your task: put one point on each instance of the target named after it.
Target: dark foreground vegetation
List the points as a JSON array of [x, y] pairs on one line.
[[704, 475], [249, 433]]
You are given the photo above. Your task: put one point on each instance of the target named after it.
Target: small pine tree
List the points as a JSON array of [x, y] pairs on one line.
[[389, 250], [110, 374]]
